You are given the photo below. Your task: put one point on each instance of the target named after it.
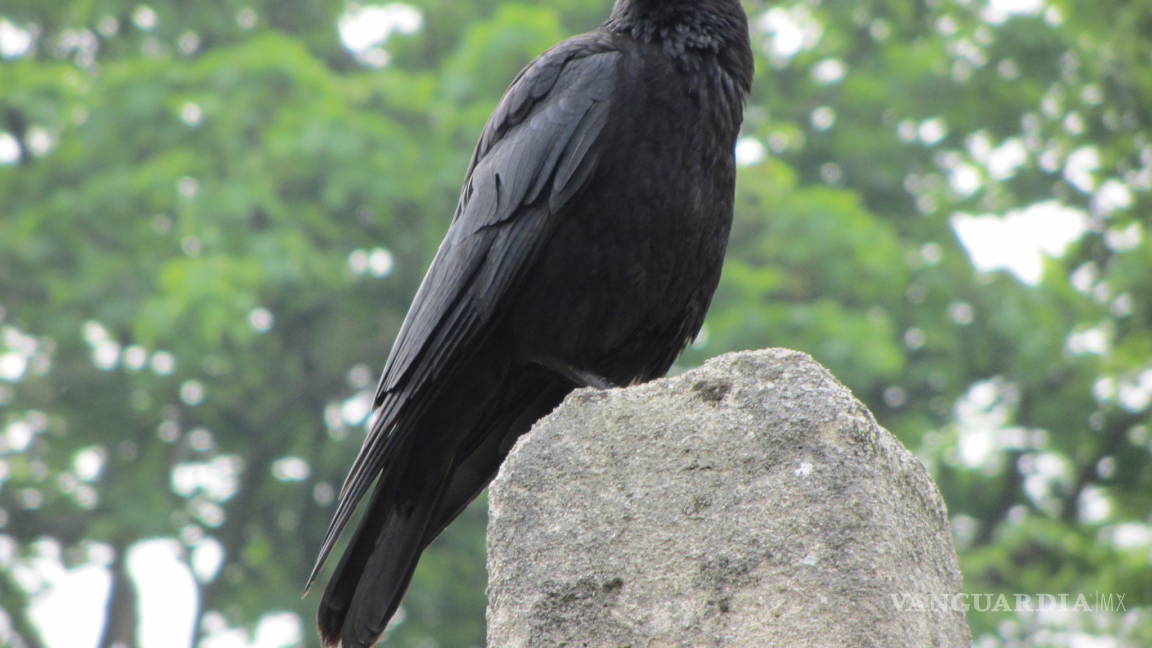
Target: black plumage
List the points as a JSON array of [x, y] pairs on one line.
[[584, 250]]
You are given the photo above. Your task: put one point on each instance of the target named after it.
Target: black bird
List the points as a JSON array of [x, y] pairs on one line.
[[584, 251]]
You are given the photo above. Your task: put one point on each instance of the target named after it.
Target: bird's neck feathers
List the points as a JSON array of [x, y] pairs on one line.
[[687, 28], [696, 24]]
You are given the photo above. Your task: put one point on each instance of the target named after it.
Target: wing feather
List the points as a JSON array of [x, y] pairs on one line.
[[536, 152]]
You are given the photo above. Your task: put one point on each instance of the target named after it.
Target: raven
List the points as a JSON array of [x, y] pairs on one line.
[[584, 251]]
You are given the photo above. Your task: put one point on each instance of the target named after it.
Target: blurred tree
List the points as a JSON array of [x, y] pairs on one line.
[[212, 218]]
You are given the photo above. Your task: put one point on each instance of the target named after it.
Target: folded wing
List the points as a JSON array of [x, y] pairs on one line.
[[536, 153]]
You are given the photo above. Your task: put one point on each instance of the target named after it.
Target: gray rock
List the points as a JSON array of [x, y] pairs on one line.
[[751, 502]]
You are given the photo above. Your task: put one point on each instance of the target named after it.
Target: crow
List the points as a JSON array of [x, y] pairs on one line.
[[584, 251]]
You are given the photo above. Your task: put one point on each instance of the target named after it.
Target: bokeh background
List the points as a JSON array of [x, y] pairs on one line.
[[213, 216]]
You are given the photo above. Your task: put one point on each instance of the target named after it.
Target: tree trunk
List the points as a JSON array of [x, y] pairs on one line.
[[120, 611]]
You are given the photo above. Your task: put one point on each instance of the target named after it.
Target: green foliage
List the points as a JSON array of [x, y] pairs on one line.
[[212, 217]]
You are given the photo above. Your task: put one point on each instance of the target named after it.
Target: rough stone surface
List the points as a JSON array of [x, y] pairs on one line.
[[751, 502]]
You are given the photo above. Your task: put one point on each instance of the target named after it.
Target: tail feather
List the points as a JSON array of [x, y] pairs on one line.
[[381, 447], [423, 484], [367, 585]]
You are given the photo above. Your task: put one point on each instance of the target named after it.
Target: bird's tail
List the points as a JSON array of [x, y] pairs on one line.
[[367, 585]]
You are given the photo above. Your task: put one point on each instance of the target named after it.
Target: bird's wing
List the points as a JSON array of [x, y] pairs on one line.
[[537, 151]]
